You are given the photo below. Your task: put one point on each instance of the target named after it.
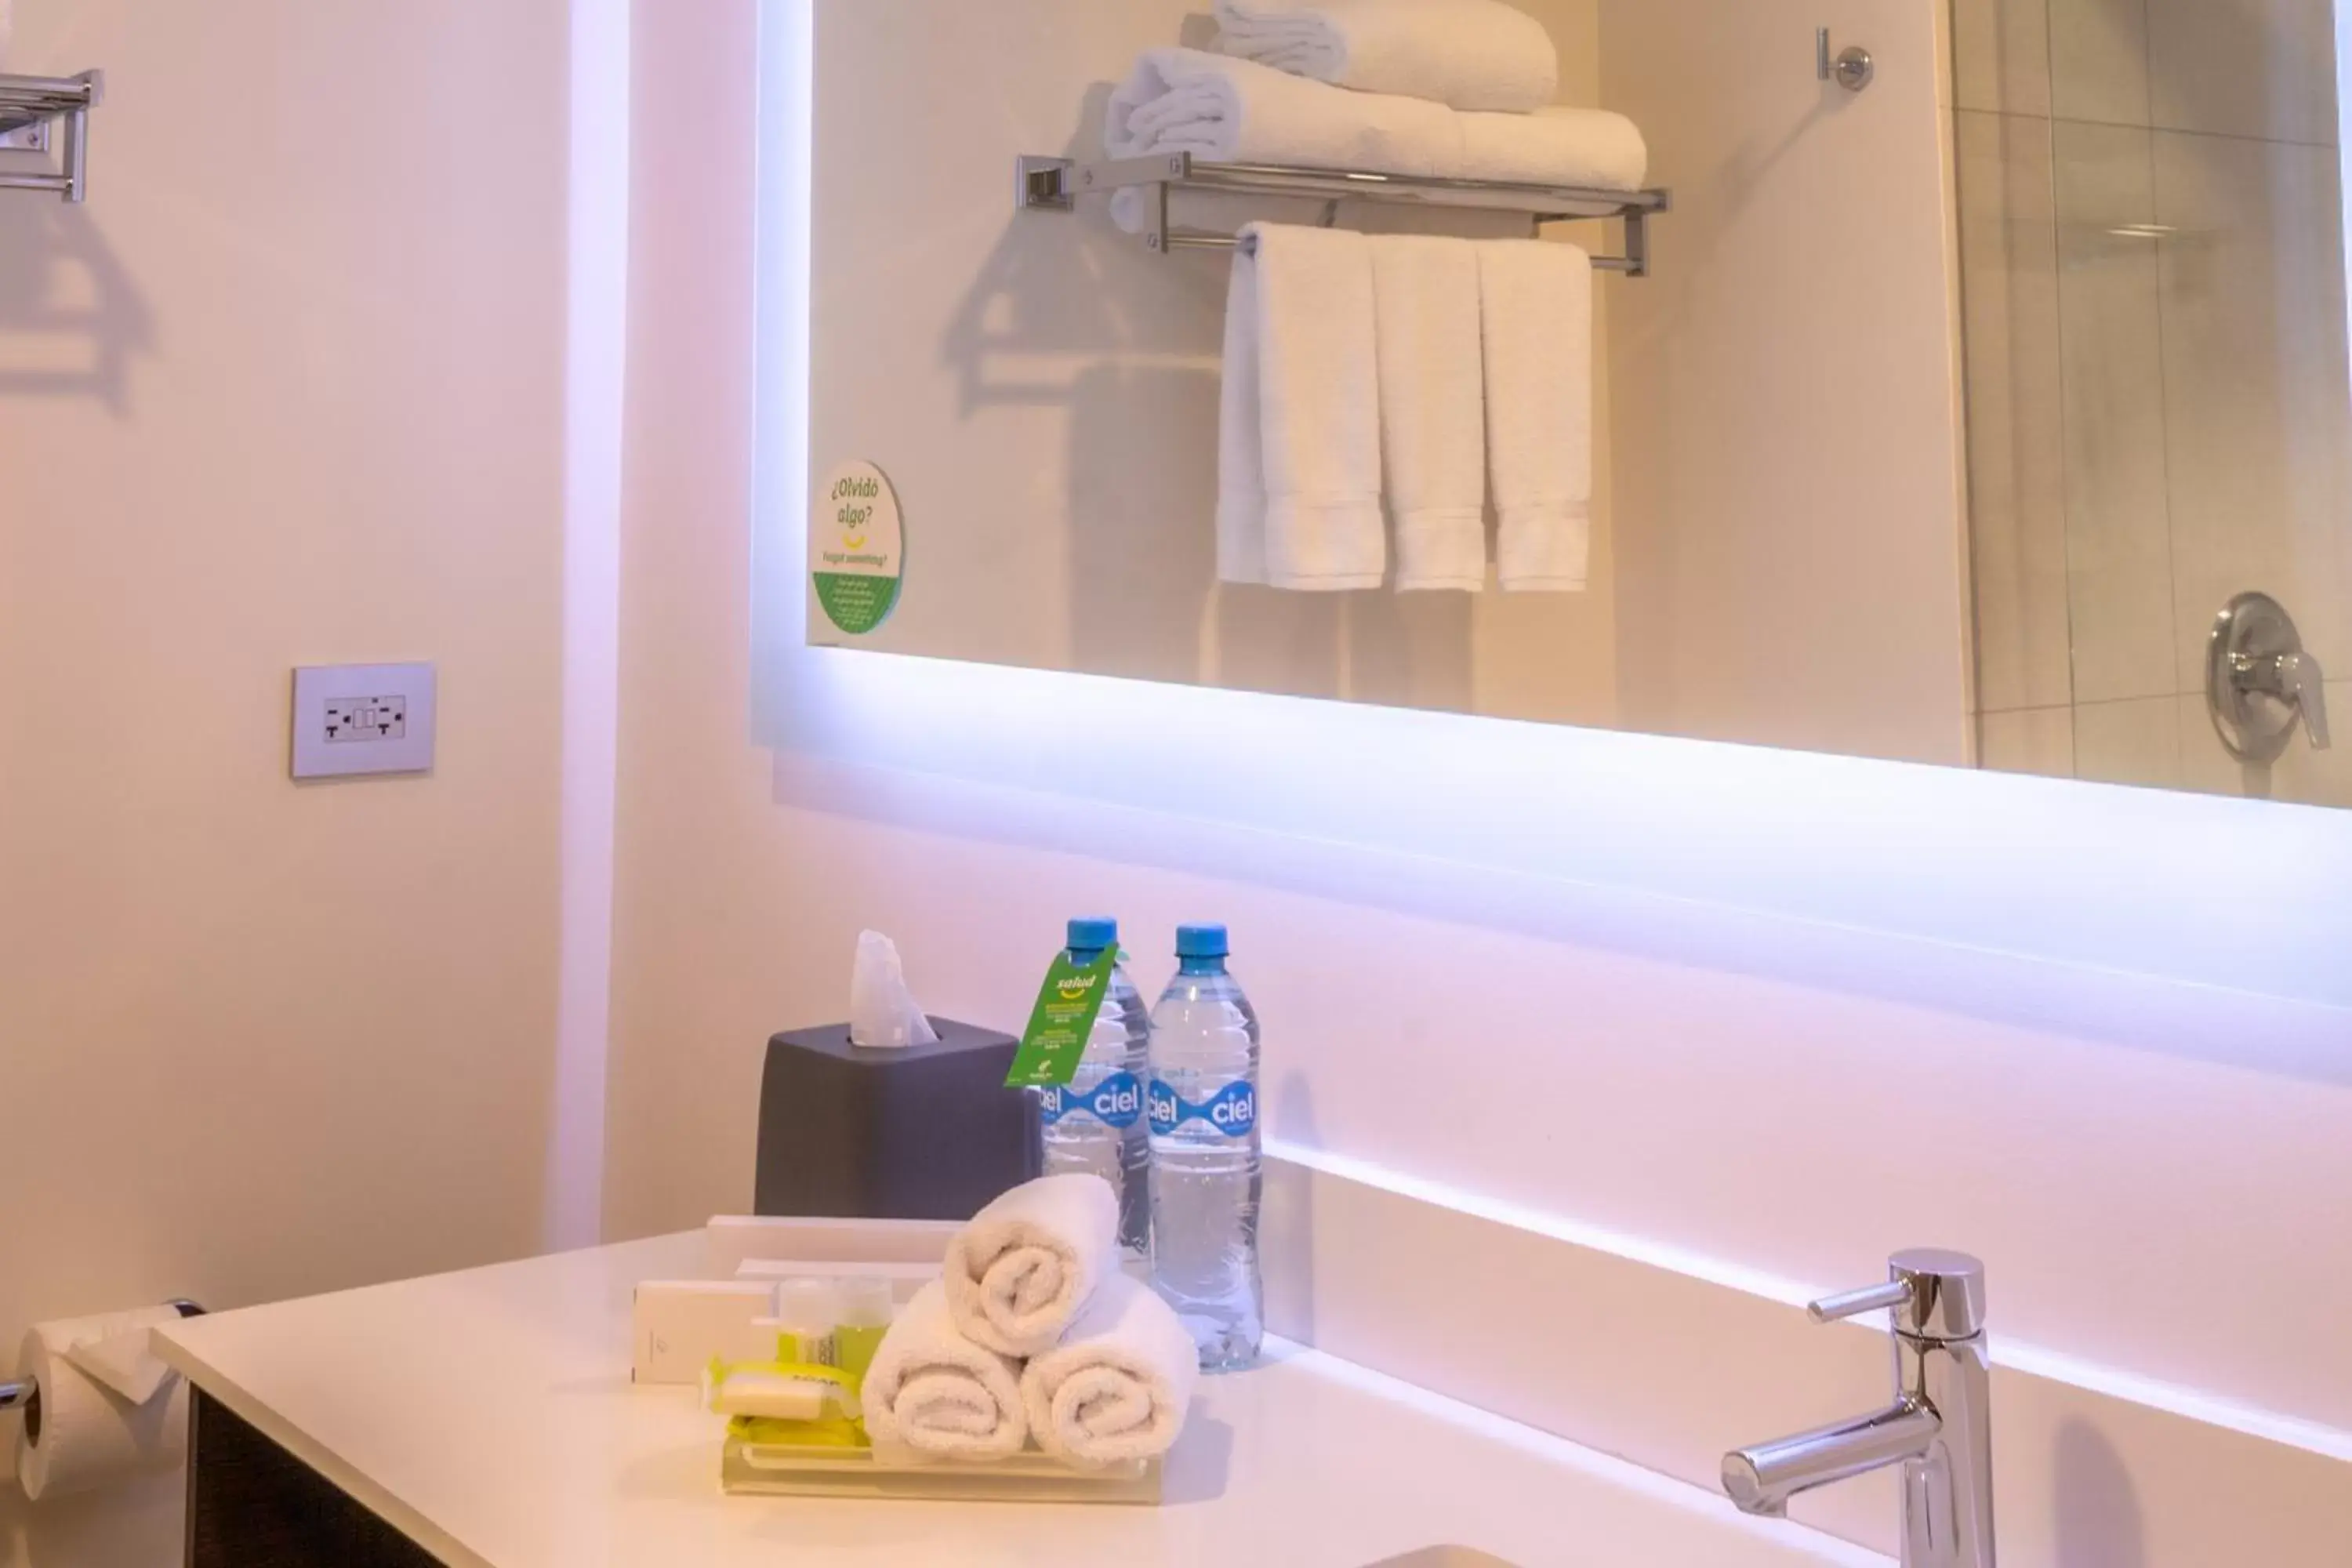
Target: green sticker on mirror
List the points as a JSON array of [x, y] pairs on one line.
[[857, 548], [1060, 1024]]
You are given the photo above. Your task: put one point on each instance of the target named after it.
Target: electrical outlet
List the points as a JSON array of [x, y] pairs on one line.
[[356, 720]]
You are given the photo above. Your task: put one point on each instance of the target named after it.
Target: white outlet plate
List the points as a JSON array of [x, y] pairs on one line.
[[356, 720]]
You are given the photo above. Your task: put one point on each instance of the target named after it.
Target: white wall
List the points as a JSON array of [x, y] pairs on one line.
[[289, 390], [1905, 1047], [1789, 532]]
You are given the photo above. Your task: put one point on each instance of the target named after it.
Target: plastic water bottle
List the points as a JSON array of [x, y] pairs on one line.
[[1204, 1152], [1096, 1125]]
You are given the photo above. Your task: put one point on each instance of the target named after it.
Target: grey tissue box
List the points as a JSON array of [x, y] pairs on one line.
[[928, 1133]]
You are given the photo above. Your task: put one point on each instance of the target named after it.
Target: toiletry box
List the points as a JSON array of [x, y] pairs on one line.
[[926, 1133]]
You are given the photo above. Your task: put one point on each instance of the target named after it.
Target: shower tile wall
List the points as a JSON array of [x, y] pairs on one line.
[[2152, 257]]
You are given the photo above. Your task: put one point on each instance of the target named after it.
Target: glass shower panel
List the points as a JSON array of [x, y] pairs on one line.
[[2158, 384]]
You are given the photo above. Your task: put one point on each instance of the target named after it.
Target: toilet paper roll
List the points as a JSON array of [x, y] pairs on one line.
[[85, 1436]]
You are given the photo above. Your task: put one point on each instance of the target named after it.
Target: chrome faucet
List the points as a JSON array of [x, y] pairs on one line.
[[1938, 1430], [2259, 680]]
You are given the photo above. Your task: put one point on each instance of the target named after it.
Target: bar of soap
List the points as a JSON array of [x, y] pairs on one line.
[[768, 1395]]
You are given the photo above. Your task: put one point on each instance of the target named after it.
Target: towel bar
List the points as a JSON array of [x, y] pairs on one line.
[[1183, 240], [36, 100], [1054, 184]]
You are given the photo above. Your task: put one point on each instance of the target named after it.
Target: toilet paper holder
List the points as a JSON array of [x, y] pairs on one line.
[[26, 1395]]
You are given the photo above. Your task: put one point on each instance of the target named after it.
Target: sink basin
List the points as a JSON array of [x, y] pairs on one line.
[[1445, 1557]]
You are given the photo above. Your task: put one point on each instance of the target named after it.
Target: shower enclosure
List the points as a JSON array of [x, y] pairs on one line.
[[2159, 397]]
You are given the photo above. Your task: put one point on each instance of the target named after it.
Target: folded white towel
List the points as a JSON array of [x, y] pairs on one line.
[[1537, 303], [932, 1390], [1118, 1387], [1299, 472], [1470, 54], [1432, 408], [1230, 110], [1588, 147], [1020, 1271]]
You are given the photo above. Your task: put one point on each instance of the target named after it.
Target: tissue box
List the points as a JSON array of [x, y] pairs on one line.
[[927, 1133]]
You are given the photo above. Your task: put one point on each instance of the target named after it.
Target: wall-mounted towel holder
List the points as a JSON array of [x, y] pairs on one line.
[[30, 105], [1055, 185]]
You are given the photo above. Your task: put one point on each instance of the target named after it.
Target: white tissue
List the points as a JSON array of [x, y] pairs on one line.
[[882, 1012], [125, 1361]]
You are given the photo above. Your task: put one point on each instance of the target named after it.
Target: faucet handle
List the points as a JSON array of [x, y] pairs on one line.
[[2304, 684], [1854, 1303], [1933, 1294]]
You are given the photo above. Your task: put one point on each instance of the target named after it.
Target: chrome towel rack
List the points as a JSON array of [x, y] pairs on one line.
[[1055, 185], [30, 105]]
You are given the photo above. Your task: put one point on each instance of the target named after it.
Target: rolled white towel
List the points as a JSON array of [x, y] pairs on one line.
[[1020, 1271], [1228, 110], [1468, 54], [931, 1390], [1118, 1385]]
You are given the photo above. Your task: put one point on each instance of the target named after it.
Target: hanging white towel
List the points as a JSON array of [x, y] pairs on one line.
[[1432, 408], [1020, 1271], [932, 1390], [1537, 303], [1232, 110], [1241, 435], [1469, 54], [1120, 1384], [1300, 472]]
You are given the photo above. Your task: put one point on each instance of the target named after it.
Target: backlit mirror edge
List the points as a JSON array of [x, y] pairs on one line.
[[2113, 878]]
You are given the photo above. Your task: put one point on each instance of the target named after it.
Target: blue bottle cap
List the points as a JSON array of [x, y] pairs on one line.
[[1093, 933], [1202, 941]]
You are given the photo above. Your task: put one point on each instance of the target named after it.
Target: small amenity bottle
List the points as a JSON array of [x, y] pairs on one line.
[[1096, 1125], [1204, 1152]]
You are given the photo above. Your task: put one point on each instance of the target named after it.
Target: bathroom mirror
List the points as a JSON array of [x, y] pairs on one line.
[[1985, 399]]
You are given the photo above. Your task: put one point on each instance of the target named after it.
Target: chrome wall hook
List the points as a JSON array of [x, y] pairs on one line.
[[1852, 69]]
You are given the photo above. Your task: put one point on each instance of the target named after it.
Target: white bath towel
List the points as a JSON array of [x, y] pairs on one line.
[[1118, 1385], [1241, 435], [1299, 470], [1432, 408], [932, 1390], [1020, 1271], [1469, 54], [1230, 110], [1537, 303]]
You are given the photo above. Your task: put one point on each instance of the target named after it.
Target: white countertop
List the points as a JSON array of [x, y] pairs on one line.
[[489, 1416]]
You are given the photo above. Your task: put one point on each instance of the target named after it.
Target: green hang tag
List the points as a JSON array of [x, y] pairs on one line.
[[1065, 1016]]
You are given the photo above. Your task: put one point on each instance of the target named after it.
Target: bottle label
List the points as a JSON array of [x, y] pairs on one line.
[[1117, 1101], [1061, 1022], [1232, 1111]]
